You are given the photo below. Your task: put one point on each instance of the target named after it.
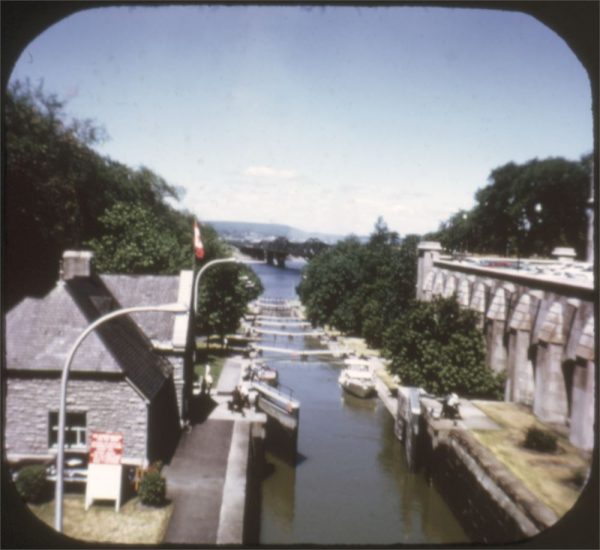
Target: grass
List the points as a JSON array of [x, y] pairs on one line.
[[133, 524], [387, 379], [215, 356], [357, 345], [549, 476]]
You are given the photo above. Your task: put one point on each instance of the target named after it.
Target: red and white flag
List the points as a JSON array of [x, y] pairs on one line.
[[198, 246]]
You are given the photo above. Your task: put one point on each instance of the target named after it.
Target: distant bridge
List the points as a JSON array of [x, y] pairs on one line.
[[276, 251]]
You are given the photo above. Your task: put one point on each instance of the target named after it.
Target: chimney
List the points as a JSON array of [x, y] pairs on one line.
[[76, 263]]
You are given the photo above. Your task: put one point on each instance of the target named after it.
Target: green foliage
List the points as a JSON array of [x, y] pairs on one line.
[[31, 483], [224, 293], [360, 288], [541, 440], [438, 346], [136, 241], [59, 194], [153, 488], [524, 210]]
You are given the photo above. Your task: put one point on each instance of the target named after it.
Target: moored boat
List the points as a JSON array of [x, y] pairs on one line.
[[357, 380], [259, 371]]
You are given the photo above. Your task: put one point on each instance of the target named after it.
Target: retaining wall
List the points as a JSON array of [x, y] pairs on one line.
[[539, 330], [490, 503]]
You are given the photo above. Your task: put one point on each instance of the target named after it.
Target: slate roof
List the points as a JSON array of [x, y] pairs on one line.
[[40, 333], [136, 290]]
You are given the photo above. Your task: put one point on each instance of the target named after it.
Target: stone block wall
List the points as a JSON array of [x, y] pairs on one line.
[[110, 404], [539, 331], [488, 500]]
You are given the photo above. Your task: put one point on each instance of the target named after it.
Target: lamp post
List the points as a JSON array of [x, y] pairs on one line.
[[210, 264], [60, 457]]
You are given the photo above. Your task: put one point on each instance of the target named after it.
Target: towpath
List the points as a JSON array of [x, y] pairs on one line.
[[195, 481], [206, 479]]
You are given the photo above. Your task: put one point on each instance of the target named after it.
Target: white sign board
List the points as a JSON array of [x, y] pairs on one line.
[[105, 473], [104, 483]]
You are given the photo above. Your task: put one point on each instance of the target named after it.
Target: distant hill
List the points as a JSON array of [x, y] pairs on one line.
[[262, 231]]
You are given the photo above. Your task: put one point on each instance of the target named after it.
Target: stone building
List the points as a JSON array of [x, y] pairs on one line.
[[537, 319], [127, 376]]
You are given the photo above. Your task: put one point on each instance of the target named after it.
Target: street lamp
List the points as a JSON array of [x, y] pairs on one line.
[[60, 457], [211, 263]]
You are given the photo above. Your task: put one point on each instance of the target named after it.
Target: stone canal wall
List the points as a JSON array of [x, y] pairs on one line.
[[491, 504], [538, 329], [239, 517]]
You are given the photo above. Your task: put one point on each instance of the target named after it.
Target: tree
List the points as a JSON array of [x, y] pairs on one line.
[[439, 347], [224, 294], [360, 288], [330, 285], [44, 158], [59, 194], [135, 241], [525, 210]]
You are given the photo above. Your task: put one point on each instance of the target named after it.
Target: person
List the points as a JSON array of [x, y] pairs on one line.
[[237, 403], [450, 406], [207, 381]]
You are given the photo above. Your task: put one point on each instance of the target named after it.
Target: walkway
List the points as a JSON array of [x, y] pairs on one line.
[[230, 375], [207, 477], [195, 481]]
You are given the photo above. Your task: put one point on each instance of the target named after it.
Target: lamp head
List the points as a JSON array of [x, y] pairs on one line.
[[175, 307]]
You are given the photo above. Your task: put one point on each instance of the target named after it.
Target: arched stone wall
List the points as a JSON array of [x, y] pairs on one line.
[[540, 333]]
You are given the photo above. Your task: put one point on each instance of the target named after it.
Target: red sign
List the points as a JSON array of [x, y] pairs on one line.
[[106, 448]]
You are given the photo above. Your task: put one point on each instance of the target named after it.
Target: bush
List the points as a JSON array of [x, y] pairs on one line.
[[540, 440], [153, 488], [31, 483], [439, 347]]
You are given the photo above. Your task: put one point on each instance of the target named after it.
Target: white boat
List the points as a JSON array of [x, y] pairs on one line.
[[259, 371], [266, 374], [357, 380]]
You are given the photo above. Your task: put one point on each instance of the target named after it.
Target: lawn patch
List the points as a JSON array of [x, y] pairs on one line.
[[133, 524], [549, 476]]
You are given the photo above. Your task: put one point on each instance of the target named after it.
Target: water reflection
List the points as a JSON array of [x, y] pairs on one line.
[[352, 484]]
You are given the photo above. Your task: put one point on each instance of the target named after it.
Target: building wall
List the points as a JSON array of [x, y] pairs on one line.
[[111, 405], [179, 380], [539, 331]]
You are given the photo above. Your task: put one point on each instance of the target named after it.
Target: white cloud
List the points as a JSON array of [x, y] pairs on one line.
[[269, 172]]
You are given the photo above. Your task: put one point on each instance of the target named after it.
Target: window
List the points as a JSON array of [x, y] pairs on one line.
[[75, 430]]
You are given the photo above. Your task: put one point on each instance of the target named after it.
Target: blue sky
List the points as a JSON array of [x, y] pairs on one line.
[[320, 118]]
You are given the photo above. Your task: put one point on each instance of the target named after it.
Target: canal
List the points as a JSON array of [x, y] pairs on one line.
[[350, 484]]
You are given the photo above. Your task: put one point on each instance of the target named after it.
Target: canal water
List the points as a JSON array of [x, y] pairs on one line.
[[350, 484]]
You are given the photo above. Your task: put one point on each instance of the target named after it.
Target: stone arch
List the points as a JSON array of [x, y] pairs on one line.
[[551, 401], [478, 300], [428, 285], [463, 293], [586, 348], [438, 284], [497, 309], [552, 329], [450, 286], [583, 399], [521, 318]]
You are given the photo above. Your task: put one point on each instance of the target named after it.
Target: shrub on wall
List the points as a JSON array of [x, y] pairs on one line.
[[31, 483], [540, 440]]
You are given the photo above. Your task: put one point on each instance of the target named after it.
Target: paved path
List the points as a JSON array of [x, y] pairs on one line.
[[230, 375], [195, 481], [206, 479]]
